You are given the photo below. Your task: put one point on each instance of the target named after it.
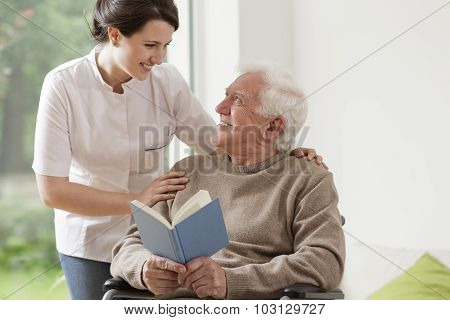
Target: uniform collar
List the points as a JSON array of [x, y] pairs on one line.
[[96, 71]]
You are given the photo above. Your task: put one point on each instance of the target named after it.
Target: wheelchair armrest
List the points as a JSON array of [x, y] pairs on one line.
[[117, 283], [309, 291], [117, 288]]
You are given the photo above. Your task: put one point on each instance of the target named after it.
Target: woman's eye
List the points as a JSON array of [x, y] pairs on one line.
[[150, 45]]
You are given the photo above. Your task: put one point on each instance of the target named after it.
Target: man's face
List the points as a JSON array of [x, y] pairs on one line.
[[241, 127]]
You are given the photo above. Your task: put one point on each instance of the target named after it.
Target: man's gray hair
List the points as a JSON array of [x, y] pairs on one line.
[[281, 97]]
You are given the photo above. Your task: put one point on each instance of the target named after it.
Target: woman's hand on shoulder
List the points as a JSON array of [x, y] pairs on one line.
[[310, 154], [163, 188]]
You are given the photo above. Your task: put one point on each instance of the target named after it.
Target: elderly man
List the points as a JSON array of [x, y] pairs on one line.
[[280, 211]]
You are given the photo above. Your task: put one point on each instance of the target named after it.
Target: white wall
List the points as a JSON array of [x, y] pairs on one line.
[[382, 127], [216, 49], [178, 54], [266, 32], [215, 35]]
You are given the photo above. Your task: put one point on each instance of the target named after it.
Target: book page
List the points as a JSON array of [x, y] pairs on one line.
[[152, 212], [197, 201]]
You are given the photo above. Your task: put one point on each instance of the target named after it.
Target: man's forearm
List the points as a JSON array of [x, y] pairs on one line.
[[129, 257]]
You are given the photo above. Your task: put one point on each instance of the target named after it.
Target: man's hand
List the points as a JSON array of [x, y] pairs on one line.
[[309, 154], [160, 274], [205, 277]]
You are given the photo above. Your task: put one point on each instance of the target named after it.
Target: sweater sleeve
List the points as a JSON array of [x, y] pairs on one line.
[[129, 254], [318, 250]]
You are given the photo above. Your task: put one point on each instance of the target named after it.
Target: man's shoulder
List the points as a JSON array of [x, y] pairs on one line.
[[304, 167], [312, 184], [195, 162], [302, 175]]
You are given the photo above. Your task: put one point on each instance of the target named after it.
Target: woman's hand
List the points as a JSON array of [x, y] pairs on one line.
[[163, 188], [160, 275], [310, 154]]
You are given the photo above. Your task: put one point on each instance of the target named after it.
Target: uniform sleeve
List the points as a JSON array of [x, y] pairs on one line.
[[195, 126], [318, 251], [52, 150]]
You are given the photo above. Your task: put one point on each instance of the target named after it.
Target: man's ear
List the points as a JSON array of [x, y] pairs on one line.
[[114, 36], [275, 128]]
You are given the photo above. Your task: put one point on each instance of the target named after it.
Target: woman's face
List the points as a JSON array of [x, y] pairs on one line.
[[136, 55]]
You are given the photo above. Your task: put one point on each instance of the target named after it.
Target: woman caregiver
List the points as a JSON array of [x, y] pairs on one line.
[[102, 125]]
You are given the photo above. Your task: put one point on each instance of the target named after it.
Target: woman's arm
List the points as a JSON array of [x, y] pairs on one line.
[[57, 192], [60, 193], [194, 126]]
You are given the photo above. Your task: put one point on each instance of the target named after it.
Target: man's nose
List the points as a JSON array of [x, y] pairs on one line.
[[223, 108]]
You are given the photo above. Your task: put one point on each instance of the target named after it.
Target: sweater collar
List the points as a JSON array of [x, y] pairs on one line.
[[252, 168]]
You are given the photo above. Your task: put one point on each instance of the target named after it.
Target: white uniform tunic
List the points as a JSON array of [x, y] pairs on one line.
[[99, 139]]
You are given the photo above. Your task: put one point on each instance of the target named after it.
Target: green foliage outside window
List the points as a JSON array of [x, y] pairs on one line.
[[28, 51]]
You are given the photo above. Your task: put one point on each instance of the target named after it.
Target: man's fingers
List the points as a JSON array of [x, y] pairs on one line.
[[203, 281], [161, 263], [165, 284], [191, 267], [163, 274], [324, 165], [166, 264], [196, 263], [192, 277], [205, 291]]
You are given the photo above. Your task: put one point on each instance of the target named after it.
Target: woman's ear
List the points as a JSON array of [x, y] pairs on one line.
[[114, 36]]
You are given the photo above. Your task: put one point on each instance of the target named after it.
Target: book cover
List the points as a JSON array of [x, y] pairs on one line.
[[202, 233]]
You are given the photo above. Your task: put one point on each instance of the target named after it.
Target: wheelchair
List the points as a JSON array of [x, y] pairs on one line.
[[118, 289]]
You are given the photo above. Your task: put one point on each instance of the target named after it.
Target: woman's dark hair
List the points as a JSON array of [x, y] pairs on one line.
[[129, 16]]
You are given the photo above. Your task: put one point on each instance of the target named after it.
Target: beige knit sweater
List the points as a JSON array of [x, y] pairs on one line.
[[282, 221]]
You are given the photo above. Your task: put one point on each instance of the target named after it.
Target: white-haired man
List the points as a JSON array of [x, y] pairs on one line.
[[280, 211]]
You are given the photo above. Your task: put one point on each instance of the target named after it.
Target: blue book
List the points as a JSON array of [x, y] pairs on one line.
[[197, 229]]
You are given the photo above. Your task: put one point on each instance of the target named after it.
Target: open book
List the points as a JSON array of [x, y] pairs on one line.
[[197, 229]]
